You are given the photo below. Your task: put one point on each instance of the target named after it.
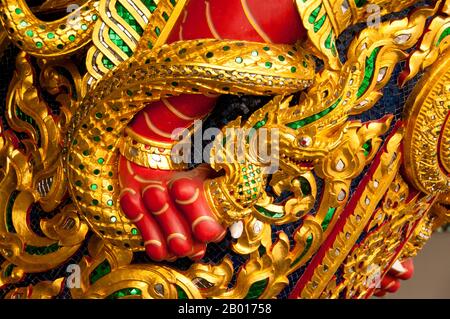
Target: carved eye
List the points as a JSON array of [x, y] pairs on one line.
[[305, 141]]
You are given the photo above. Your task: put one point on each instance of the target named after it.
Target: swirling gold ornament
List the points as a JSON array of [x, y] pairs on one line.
[[48, 39], [184, 67], [33, 177], [113, 45], [426, 149]]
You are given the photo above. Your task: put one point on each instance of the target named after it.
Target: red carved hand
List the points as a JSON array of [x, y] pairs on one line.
[[170, 210], [168, 207], [391, 281]]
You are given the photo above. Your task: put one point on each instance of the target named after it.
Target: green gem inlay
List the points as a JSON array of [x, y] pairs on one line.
[[308, 120], [314, 14], [328, 217], [117, 40], [124, 293], [309, 241], [43, 250], [261, 123], [360, 3], [181, 293], [319, 23], [150, 4], [9, 212], [107, 63], [329, 40], [367, 147], [368, 72], [256, 289], [268, 213], [9, 270], [305, 186], [129, 18], [100, 271], [444, 34]]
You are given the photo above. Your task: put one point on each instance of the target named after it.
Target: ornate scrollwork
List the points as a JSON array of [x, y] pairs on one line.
[[426, 158], [33, 179], [48, 39]]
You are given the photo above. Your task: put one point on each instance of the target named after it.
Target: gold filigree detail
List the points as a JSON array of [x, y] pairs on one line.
[[188, 67], [41, 290], [365, 203], [391, 225], [47, 39], [426, 146]]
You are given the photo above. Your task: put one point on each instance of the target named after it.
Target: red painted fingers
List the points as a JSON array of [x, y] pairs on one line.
[[133, 207], [169, 209], [175, 228], [188, 195]]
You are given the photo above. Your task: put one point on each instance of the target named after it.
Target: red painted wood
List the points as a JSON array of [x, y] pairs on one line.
[[278, 19]]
